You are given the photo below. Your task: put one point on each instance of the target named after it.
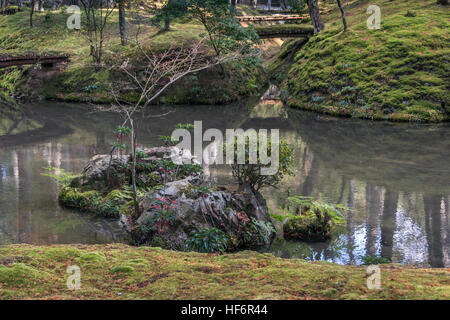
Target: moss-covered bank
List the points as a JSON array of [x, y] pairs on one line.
[[399, 72], [117, 271]]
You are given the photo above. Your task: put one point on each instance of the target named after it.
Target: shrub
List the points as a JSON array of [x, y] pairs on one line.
[[370, 260], [208, 240], [250, 174], [310, 220]]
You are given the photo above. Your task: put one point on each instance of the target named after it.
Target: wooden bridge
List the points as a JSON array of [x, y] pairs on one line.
[[46, 61], [268, 18], [284, 31]]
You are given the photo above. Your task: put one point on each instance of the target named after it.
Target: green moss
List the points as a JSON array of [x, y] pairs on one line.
[[164, 274], [122, 269], [157, 241], [19, 274], [92, 257], [90, 201], [398, 72], [308, 227]]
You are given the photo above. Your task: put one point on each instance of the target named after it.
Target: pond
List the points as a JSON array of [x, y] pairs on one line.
[[395, 177]]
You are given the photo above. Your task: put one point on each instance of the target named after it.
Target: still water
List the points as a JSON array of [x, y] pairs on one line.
[[395, 177]]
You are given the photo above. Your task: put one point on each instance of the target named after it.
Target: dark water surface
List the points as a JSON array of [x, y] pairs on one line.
[[396, 177]]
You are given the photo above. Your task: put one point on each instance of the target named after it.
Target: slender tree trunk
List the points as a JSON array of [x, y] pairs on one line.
[[167, 23], [344, 21], [32, 12], [122, 25], [269, 4], [315, 16], [133, 169]]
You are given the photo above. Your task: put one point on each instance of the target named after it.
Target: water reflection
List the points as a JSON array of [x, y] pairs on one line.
[[396, 177]]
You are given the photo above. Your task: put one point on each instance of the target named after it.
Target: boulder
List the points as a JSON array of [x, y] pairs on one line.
[[193, 209]]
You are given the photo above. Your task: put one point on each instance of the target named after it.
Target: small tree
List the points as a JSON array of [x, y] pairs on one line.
[[344, 21], [160, 71], [96, 17], [248, 175], [223, 31]]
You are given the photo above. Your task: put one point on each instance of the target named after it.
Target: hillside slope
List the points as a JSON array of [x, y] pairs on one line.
[[398, 72]]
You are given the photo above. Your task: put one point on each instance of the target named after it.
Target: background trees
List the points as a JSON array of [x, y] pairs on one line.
[[314, 13], [122, 22], [96, 14]]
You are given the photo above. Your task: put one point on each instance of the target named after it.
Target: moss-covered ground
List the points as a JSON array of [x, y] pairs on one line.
[[117, 271], [398, 72]]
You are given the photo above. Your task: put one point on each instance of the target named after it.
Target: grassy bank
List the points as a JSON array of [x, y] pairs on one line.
[[399, 72], [117, 271], [81, 82]]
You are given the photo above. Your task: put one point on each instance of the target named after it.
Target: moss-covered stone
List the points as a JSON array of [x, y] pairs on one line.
[[90, 201]]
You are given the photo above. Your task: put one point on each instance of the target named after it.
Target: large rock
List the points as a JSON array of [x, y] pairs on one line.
[[194, 209], [95, 172]]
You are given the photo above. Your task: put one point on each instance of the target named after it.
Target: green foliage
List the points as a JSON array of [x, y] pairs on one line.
[[310, 220], [162, 216], [208, 240], [223, 31], [172, 9], [301, 205], [399, 72], [187, 126], [122, 269], [91, 201], [250, 173], [370, 260], [60, 175], [168, 140], [256, 233]]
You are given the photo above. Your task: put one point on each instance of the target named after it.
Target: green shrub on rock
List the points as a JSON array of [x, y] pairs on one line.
[[309, 220], [90, 201], [208, 240]]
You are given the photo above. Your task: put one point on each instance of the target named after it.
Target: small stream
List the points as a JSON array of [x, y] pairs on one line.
[[395, 177]]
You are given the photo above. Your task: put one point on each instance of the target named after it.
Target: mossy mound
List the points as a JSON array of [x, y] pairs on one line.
[[92, 257], [19, 274], [398, 72], [308, 227], [309, 220]]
